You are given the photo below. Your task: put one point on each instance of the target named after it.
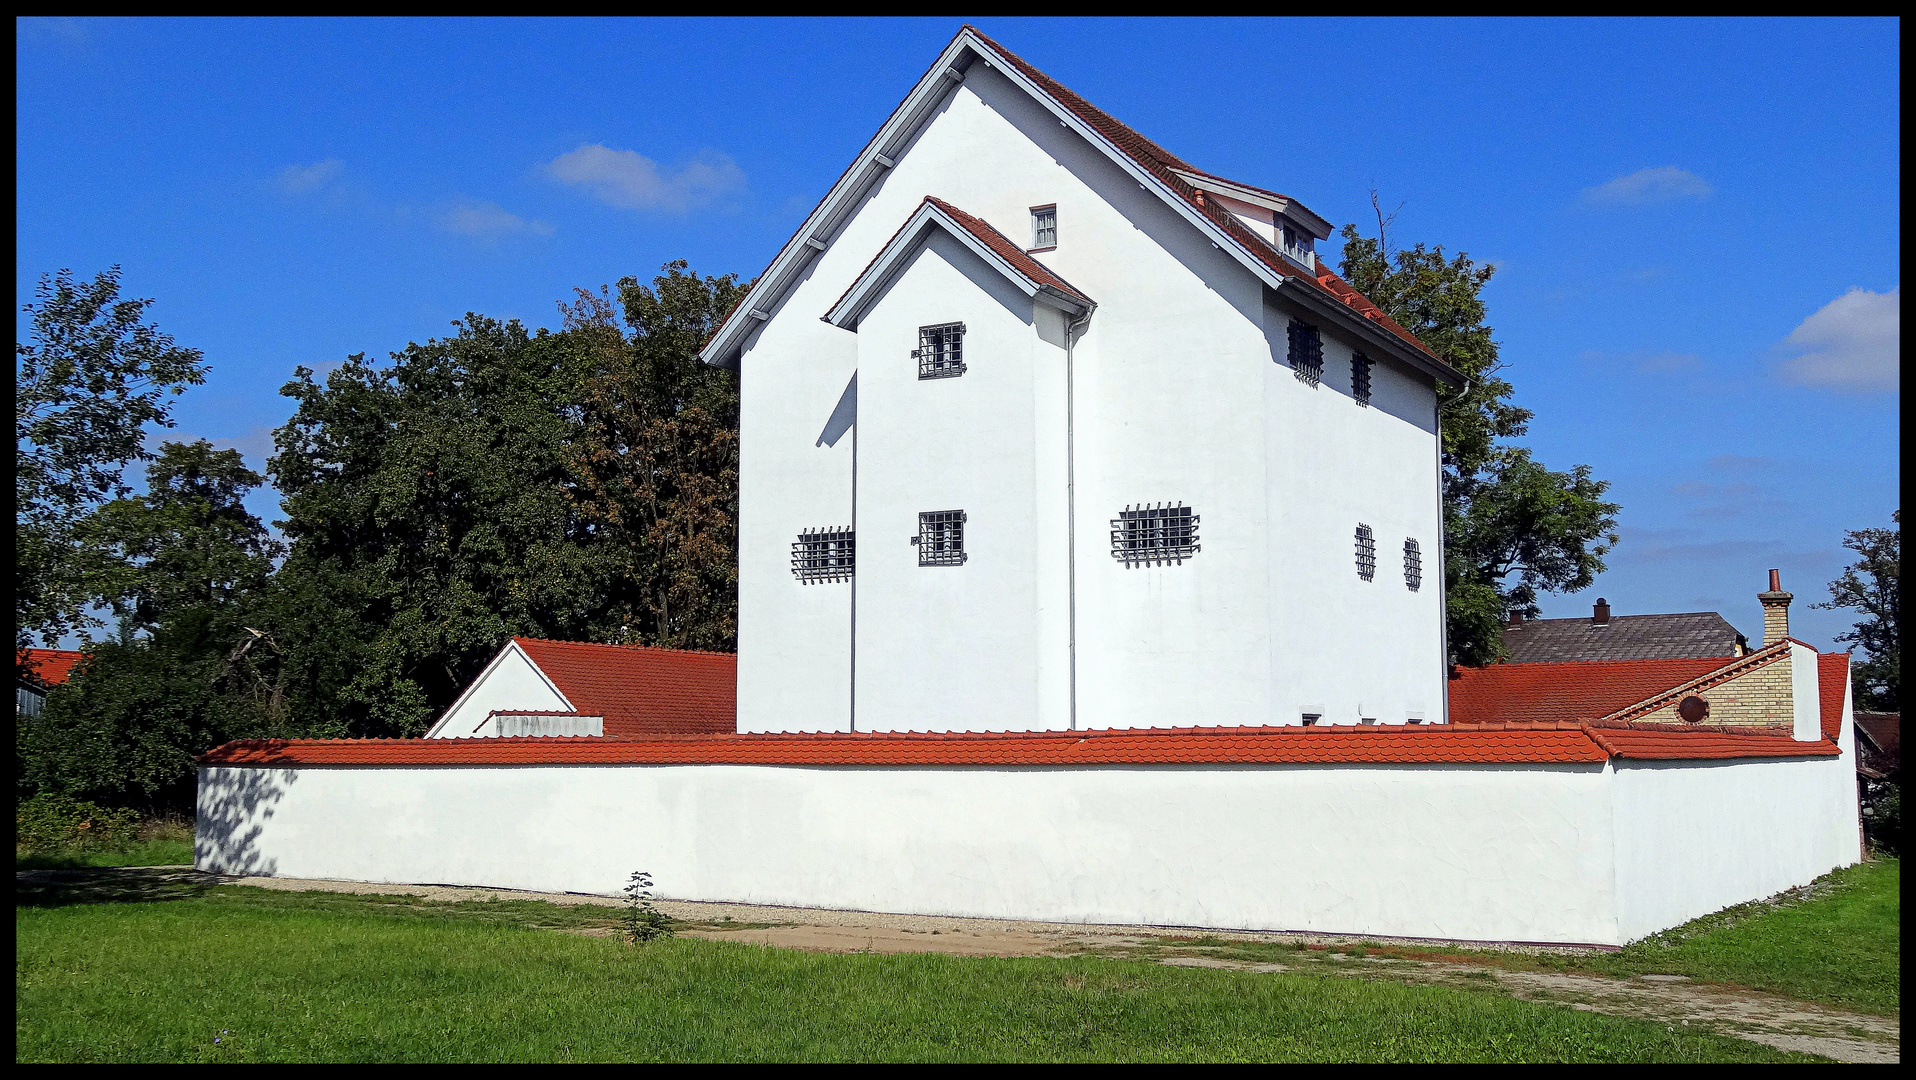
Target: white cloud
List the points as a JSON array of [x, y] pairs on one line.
[[628, 179], [305, 179], [489, 221], [1650, 185], [1851, 343]]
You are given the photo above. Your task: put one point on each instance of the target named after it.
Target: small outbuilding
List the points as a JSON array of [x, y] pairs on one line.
[[540, 687]]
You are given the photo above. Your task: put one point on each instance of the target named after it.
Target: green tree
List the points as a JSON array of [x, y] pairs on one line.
[[1872, 585], [428, 517], [87, 384], [656, 463], [1513, 529], [135, 712]]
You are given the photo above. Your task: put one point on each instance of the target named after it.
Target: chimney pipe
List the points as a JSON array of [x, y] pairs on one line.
[[1600, 613], [1776, 610], [1516, 620]]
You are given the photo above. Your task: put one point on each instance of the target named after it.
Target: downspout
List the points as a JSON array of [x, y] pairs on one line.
[[1443, 553], [1072, 328]]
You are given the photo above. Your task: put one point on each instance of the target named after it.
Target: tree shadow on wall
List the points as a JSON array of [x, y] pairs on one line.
[[235, 802]]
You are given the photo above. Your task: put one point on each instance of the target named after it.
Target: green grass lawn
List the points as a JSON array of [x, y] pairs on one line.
[[1838, 942], [166, 851], [160, 974]]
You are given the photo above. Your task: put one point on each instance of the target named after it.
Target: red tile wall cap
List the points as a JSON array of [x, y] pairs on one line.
[[1343, 745]]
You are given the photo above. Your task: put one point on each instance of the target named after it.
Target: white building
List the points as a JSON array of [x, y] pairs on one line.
[[1152, 466], [1038, 324]]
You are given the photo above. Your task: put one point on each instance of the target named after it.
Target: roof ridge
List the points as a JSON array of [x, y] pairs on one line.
[[628, 648]]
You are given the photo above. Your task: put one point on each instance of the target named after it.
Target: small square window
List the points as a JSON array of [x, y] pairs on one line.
[[1306, 352], [941, 538], [1044, 228], [1366, 553], [1153, 535], [823, 555], [941, 351], [1311, 719], [1360, 378], [1295, 241], [1413, 564]]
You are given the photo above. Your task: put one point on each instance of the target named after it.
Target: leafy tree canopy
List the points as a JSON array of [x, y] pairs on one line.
[[1872, 585], [1513, 529], [89, 381]]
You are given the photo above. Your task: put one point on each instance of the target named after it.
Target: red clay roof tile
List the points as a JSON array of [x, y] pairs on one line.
[[1832, 684], [642, 691], [1576, 690], [50, 666]]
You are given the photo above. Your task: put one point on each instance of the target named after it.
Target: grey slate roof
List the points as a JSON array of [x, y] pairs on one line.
[[1626, 637]]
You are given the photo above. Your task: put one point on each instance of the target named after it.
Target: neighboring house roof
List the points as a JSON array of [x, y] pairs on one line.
[[1885, 729], [1321, 291], [49, 667], [990, 244], [1566, 692], [1689, 634], [642, 691], [1392, 745]]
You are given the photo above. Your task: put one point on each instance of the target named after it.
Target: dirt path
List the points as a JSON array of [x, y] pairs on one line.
[[1770, 1019]]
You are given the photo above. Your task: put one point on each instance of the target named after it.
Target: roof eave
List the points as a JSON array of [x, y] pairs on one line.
[[1324, 306]]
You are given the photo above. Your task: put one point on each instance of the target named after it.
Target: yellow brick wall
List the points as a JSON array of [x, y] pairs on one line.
[[1762, 698]]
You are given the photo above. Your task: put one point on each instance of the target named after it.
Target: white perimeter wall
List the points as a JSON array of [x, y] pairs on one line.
[[1526, 853]]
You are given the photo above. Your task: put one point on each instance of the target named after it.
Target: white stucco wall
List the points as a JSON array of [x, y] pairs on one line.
[[510, 681], [1696, 837], [1519, 853], [1181, 395]]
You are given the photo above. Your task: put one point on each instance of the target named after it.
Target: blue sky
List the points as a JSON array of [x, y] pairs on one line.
[[1695, 223]]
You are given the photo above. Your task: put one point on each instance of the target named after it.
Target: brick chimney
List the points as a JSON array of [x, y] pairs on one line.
[[1776, 610], [1600, 612], [1516, 621]]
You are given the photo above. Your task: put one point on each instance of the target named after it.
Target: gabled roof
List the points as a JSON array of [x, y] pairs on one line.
[[48, 667], [1728, 670], [1688, 634], [1568, 692], [1031, 277], [641, 691], [1392, 745], [1322, 294]]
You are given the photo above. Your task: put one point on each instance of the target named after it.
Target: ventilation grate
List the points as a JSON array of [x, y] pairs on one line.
[[941, 538], [941, 351], [1306, 352], [1366, 553], [1147, 535], [823, 555]]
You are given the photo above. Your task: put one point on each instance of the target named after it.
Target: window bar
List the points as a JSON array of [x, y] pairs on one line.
[[941, 538], [1306, 352], [1366, 553], [1154, 535], [1360, 378], [941, 351], [823, 555], [1413, 564]]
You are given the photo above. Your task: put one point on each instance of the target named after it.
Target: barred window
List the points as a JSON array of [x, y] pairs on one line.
[[1360, 378], [1307, 352], [941, 351], [1366, 553], [1154, 535], [1413, 564], [823, 555], [1044, 227], [941, 538]]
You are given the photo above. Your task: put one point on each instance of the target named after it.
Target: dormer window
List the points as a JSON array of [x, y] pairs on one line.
[[1294, 242], [1044, 228]]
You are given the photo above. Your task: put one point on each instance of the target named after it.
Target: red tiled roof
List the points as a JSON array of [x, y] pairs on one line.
[[642, 691], [1389, 745], [1579, 690], [1159, 162], [1007, 250], [50, 666], [1832, 684]]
